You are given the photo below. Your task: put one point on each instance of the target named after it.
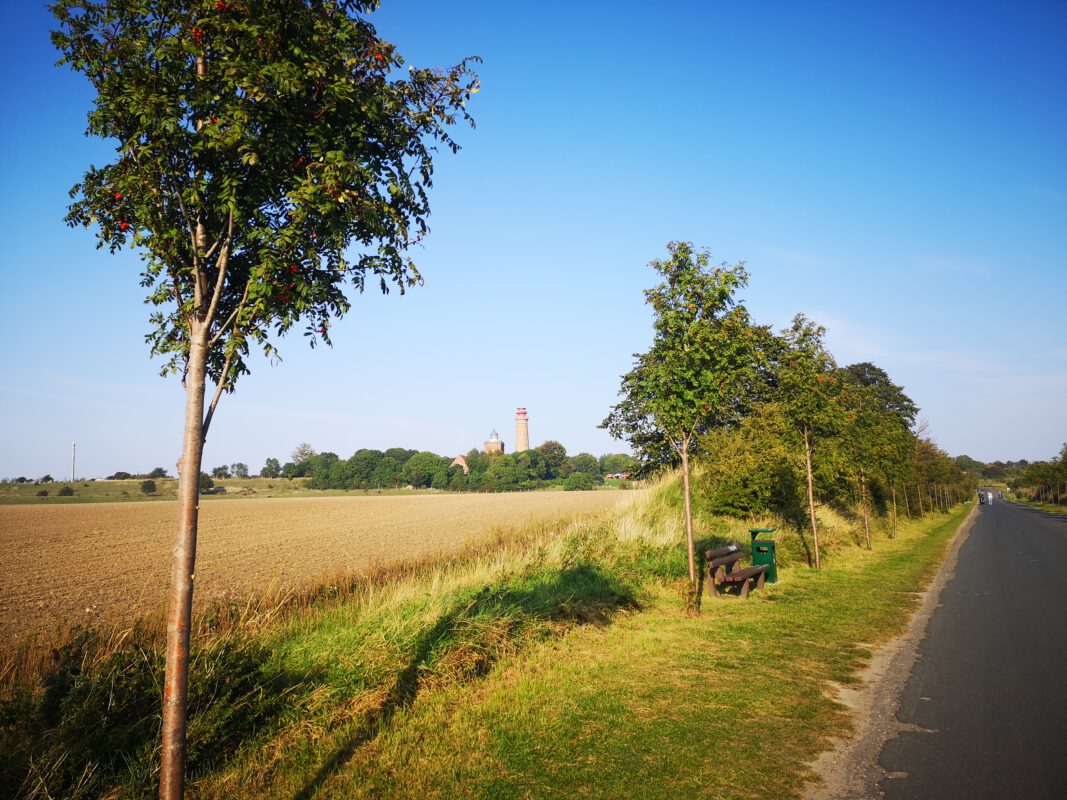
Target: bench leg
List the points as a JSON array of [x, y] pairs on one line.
[[713, 577], [744, 589], [761, 581], [713, 588]]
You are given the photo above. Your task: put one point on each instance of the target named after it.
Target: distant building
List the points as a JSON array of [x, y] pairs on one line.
[[494, 445], [522, 430], [460, 461]]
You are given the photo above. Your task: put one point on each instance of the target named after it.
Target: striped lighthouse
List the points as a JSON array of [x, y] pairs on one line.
[[522, 430]]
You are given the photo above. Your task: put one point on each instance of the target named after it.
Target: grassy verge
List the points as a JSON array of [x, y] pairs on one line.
[[1055, 509], [554, 661], [733, 703]]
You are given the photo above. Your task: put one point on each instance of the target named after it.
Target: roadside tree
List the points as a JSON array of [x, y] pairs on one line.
[[809, 399], [700, 373], [254, 150]]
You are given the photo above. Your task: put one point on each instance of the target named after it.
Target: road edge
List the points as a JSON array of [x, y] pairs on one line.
[[849, 770]]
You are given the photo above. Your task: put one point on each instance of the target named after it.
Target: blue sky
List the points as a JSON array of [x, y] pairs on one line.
[[896, 171]]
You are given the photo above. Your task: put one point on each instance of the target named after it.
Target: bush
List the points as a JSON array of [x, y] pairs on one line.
[[43, 493], [579, 482], [66, 491], [148, 486], [120, 476], [206, 482]]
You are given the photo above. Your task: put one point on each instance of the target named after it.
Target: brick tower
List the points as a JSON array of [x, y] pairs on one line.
[[522, 430]]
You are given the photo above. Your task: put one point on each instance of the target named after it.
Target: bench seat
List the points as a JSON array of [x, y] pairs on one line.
[[722, 574]]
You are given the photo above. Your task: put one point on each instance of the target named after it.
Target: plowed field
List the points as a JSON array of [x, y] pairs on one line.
[[83, 563]]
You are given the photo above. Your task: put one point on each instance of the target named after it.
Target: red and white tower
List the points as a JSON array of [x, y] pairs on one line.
[[522, 430]]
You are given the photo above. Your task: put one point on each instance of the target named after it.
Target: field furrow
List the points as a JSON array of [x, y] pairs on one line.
[[67, 564]]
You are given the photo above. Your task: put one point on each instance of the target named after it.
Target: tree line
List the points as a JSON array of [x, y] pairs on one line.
[[1044, 481], [773, 423], [544, 466]]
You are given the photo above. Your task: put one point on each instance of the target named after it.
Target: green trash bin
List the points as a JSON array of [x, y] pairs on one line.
[[763, 553]]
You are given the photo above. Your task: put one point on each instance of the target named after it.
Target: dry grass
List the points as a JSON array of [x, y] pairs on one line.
[[107, 565]]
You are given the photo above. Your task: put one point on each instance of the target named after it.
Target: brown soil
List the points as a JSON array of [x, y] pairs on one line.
[[70, 564]]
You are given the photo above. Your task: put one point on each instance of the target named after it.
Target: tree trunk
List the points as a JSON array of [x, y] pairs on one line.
[[811, 498], [919, 491], [907, 503], [863, 505], [690, 548], [183, 562], [893, 489]]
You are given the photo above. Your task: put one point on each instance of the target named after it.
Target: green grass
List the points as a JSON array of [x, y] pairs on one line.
[[555, 661], [733, 703], [1055, 509]]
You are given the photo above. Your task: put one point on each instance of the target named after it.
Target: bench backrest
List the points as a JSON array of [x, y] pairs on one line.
[[719, 552]]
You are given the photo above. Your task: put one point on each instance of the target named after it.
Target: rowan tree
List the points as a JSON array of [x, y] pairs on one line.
[[270, 157], [808, 392], [701, 372]]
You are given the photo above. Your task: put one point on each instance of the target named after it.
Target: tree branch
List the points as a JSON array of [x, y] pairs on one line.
[[230, 319], [222, 262], [223, 380]]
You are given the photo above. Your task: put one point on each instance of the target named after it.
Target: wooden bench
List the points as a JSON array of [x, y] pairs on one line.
[[722, 573]]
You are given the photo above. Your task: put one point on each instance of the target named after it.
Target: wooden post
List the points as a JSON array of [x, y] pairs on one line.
[[907, 503]]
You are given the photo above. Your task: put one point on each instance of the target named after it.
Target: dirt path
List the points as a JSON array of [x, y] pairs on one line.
[[67, 564]]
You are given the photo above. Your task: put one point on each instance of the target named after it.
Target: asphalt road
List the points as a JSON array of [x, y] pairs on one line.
[[988, 693]]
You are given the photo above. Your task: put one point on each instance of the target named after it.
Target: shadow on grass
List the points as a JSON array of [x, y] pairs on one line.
[[87, 730], [454, 648]]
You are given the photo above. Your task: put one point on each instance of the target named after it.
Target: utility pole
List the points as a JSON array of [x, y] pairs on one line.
[[73, 459]]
